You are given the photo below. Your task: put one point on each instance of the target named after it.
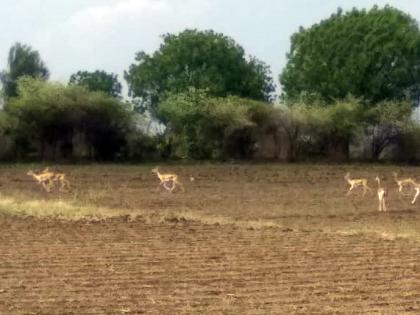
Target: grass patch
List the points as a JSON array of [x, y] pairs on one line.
[[53, 209]]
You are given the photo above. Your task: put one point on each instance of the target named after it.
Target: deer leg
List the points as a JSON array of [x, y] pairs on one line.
[[176, 183], [350, 189], [50, 184], [62, 185], [46, 186], [380, 198], [173, 187], [163, 184], [166, 187], [416, 195]]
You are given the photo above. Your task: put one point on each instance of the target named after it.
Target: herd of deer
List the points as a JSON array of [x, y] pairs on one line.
[[47, 178], [382, 191]]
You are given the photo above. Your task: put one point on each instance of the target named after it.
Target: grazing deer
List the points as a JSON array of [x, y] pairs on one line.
[[47, 178], [166, 178], [402, 182], [382, 195], [354, 183]]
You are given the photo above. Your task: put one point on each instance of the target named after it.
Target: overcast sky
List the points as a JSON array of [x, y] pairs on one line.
[[74, 35]]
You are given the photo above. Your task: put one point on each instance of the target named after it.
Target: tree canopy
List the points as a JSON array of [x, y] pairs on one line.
[[203, 126], [22, 61], [48, 114], [372, 54], [97, 81], [198, 59]]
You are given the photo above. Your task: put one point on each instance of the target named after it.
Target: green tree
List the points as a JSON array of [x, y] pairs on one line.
[[318, 130], [53, 121], [97, 81], [371, 54], [198, 59], [22, 61], [343, 121], [205, 127], [387, 121]]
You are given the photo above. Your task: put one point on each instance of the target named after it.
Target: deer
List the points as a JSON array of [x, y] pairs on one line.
[[166, 178], [354, 183], [382, 195], [47, 178], [416, 189], [402, 182]]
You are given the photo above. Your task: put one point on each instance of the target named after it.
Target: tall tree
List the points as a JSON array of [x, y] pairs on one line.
[[372, 54], [22, 61], [198, 59], [97, 81]]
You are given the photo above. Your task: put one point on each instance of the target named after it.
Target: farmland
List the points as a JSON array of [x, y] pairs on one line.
[[252, 239]]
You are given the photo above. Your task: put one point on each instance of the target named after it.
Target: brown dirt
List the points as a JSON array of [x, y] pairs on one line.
[[120, 266], [332, 255], [301, 197]]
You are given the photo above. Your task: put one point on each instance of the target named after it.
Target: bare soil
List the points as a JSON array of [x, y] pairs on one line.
[[122, 267], [144, 266]]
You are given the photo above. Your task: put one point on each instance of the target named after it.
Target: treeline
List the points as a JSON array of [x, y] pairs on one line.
[[349, 91]]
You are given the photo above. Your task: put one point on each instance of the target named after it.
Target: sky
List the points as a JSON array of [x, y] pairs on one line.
[[73, 35]]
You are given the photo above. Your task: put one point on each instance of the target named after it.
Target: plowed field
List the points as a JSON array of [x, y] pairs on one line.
[[131, 267], [209, 250]]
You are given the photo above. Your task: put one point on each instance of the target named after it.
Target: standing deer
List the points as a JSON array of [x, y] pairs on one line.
[[382, 195]]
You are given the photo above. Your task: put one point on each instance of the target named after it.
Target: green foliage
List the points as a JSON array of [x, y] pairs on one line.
[[52, 115], [205, 127], [386, 122], [345, 117], [6, 142], [22, 61], [300, 123], [97, 81], [385, 112], [143, 147], [370, 54], [317, 130], [198, 59], [344, 120], [409, 143]]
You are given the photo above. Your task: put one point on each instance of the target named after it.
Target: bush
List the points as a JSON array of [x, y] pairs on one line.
[[6, 141], [141, 147], [409, 144], [53, 121], [204, 127], [386, 122], [312, 130]]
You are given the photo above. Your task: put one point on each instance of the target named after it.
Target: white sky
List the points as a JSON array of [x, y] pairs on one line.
[[74, 35]]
